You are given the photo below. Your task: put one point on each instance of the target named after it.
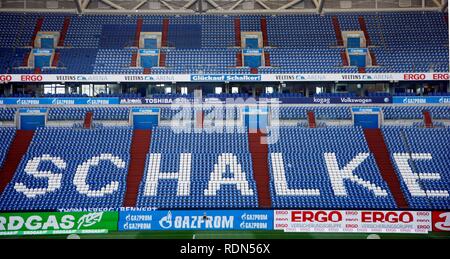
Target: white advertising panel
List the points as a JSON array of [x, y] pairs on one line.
[[353, 221]]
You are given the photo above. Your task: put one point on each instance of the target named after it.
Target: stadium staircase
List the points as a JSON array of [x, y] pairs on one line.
[[55, 59], [337, 30], [363, 26], [165, 32], [361, 70], [344, 58], [162, 59], [373, 58], [25, 60], [428, 121], [311, 119], [63, 33], [239, 59], [37, 29], [147, 71], [199, 119], [140, 146], [253, 70], [88, 120], [134, 57], [260, 156], [37, 70], [137, 36], [378, 147], [237, 32], [18, 148], [267, 59], [264, 32]]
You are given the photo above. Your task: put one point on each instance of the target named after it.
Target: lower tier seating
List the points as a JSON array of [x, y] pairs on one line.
[[6, 136], [66, 168]]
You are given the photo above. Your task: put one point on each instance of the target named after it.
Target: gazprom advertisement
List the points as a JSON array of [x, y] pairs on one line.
[[196, 220], [59, 101], [422, 100]]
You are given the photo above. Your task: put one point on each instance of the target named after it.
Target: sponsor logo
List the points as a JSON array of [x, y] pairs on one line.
[[383, 77], [92, 78], [441, 221], [196, 222], [151, 78], [286, 77], [66, 78], [444, 100], [27, 101], [5, 78], [130, 101], [316, 216], [390, 217], [356, 100], [441, 77], [90, 219], [414, 100], [166, 221], [31, 78], [63, 101], [414, 76], [97, 101], [36, 222], [321, 100], [158, 101]]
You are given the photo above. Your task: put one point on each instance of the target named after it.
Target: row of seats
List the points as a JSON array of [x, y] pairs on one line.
[[283, 113]]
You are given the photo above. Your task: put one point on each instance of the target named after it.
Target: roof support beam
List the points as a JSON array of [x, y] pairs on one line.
[[290, 4], [113, 5], [166, 4], [79, 5], [438, 4], [261, 3], [214, 4], [236, 5], [320, 7], [189, 4], [85, 3], [139, 5]]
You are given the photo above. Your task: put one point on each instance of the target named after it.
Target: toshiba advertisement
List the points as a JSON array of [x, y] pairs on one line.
[[353, 221]]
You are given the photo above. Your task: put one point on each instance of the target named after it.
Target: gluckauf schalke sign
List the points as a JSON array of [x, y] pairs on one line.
[[49, 223]]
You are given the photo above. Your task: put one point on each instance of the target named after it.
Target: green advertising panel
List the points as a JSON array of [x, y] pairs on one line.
[[57, 223]]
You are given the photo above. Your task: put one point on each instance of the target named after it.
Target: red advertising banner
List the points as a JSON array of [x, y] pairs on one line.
[[353, 221], [441, 221]]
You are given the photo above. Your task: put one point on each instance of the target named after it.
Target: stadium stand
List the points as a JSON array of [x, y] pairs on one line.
[[76, 181], [225, 154], [101, 44]]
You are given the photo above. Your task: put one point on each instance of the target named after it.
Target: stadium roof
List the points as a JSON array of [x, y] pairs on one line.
[[219, 6]]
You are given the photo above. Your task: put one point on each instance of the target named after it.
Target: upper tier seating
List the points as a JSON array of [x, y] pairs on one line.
[[116, 113], [430, 149], [226, 154], [75, 165], [284, 113], [299, 159], [6, 136], [99, 44]]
